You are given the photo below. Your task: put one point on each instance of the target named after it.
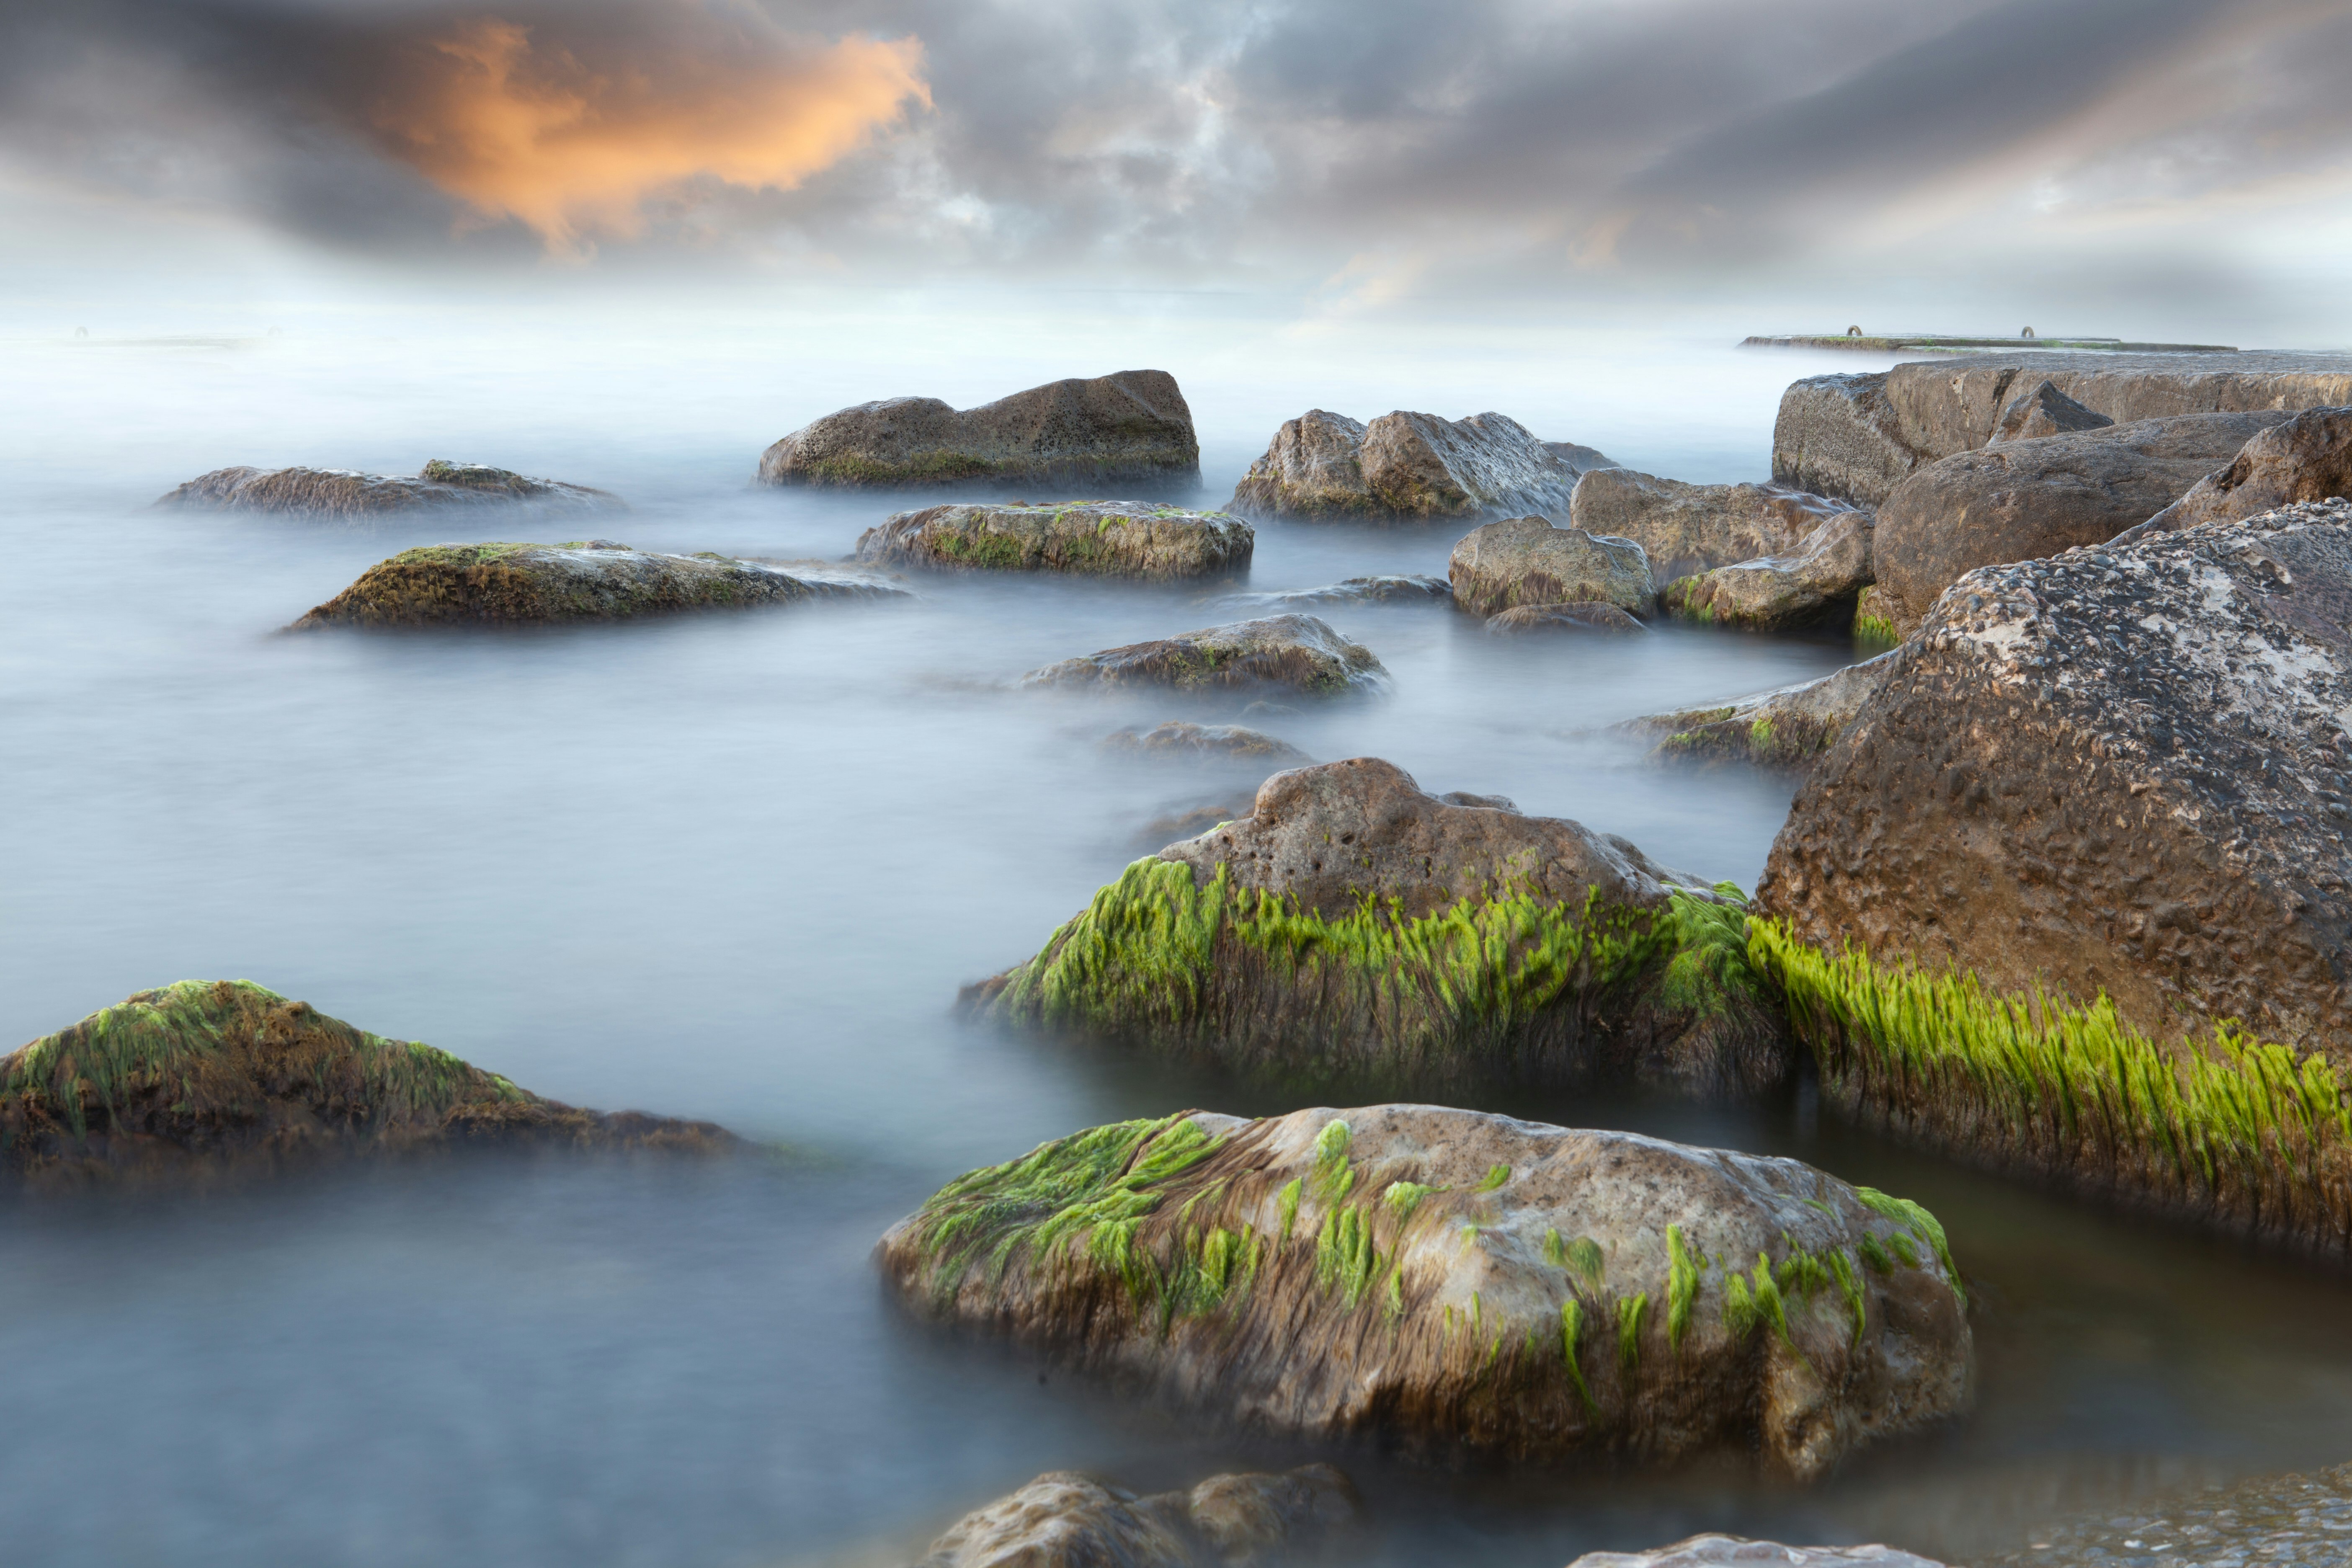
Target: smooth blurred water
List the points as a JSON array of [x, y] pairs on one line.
[[736, 867]]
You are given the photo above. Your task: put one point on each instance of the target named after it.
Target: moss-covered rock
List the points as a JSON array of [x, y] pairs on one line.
[[1447, 1280], [1298, 654], [213, 1076], [346, 492], [1527, 561], [1093, 538], [1409, 468], [1815, 583], [585, 580], [1063, 1519], [1687, 529], [1788, 728]]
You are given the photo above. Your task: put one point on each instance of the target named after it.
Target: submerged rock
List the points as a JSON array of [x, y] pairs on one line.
[[1064, 1519], [1179, 738], [1447, 1280], [1527, 561], [2307, 457], [1352, 927], [1384, 590], [1820, 579], [1410, 466], [1790, 727], [1685, 528], [1588, 617], [346, 492], [2044, 411], [1131, 425], [1299, 653], [1738, 1552], [2272, 1521], [2084, 849], [586, 579], [1097, 538], [207, 1077]]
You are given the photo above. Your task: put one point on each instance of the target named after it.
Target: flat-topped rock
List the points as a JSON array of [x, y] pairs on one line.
[[1685, 528], [2305, 458], [1097, 538], [347, 492], [1065, 1520], [1293, 653], [1818, 580], [1406, 466], [1527, 561], [1388, 589], [1788, 727], [1446, 1281], [1587, 616], [1739, 1551], [1133, 425], [1181, 739], [586, 579], [2044, 411]]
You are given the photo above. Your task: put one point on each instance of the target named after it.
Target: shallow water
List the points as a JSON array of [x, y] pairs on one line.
[[735, 867]]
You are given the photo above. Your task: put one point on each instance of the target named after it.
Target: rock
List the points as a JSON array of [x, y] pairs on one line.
[[1063, 1519], [2288, 1521], [1840, 436], [1100, 538], [1588, 617], [1130, 425], [1451, 1282], [1527, 561], [1685, 529], [585, 580], [1410, 466], [2025, 499], [209, 1076], [2307, 457], [1350, 927], [1205, 742], [1298, 653], [2044, 411], [1789, 727], [1384, 590], [1736, 1552], [345, 492], [1818, 581], [2084, 847]]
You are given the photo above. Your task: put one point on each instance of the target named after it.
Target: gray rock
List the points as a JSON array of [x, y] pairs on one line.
[[1099, 538], [1450, 1281], [1132, 424], [1384, 590], [346, 492], [1064, 1519], [1588, 616], [1409, 467], [1685, 528], [2044, 411], [2307, 457], [1840, 436], [1736, 1552], [1790, 727], [1180, 740], [1527, 561], [1818, 581], [1299, 653], [2271, 1521]]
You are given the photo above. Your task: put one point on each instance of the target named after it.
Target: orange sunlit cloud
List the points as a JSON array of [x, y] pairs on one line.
[[523, 132]]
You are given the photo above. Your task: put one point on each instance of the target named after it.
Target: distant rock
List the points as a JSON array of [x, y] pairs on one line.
[[1100, 538], [1130, 425], [2307, 458], [345, 492], [586, 579], [1384, 590], [1298, 653], [1588, 617], [1411, 467], [1527, 561], [1685, 529], [1789, 727], [1180, 740], [1818, 581], [2044, 411], [1738, 1552], [1064, 1519]]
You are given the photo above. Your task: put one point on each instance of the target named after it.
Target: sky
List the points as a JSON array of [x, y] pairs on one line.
[[2130, 166]]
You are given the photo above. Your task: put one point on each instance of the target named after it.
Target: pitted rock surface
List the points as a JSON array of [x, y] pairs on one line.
[[1790, 727], [1818, 580], [346, 492], [1687, 529], [1064, 1519], [1527, 561], [1587, 616], [1410, 466], [2044, 411], [1738, 1552], [1096, 538], [2122, 770], [2308, 458], [1297, 653]]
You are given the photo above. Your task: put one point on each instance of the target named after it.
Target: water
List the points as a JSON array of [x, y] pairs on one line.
[[736, 867]]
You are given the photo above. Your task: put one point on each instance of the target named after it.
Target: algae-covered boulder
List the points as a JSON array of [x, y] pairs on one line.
[[1818, 581], [1790, 727], [1685, 528], [1527, 561], [1133, 425], [1406, 466], [2044, 411], [345, 492], [586, 579], [1181, 739], [1588, 616], [213, 1076], [2307, 457], [1392, 588], [1738, 1552], [1352, 927], [1449, 1280], [1095, 538], [1299, 654], [1064, 1519]]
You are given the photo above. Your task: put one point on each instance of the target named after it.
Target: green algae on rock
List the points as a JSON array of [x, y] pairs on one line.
[[585, 579], [205, 1076], [1269, 1273], [1299, 654], [345, 492], [1788, 727], [1815, 581], [1089, 538]]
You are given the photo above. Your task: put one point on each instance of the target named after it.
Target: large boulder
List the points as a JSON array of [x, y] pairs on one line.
[[346, 492], [1684, 528], [1452, 1280], [2044, 411], [211, 1077], [1527, 561], [1788, 728], [1295, 652], [1818, 580], [1133, 425], [586, 579], [1352, 927], [2307, 457], [2024, 499], [1064, 1519], [2073, 892], [1738, 1552], [1096, 538], [1411, 467]]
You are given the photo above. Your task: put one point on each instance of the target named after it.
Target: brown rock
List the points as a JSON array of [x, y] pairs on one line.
[[1387, 589], [1587, 616], [1099, 538], [2044, 411], [1411, 467], [1840, 436], [1527, 561], [1063, 1519], [1818, 581], [1299, 653], [1685, 528], [1788, 728], [1736, 1552], [1179, 738], [345, 492], [2307, 458]]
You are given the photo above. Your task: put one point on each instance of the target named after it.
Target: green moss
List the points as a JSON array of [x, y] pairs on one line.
[[1709, 974], [1760, 734], [1849, 1284], [1584, 1261], [1494, 1179], [1403, 1197], [1682, 1285], [928, 467], [458, 555], [1345, 1260], [1291, 1191], [1629, 1330], [1929, 1228], [1876, 629], [1874, 1255], [1571, 1330], [1802, 1273]]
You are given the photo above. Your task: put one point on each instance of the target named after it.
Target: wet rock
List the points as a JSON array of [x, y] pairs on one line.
[[1297, 653], [1449, 1280], [1527, 561], [1818, 581], [1181, 739], [1736, 1552], [2116, 781], [1064, 1519], [1353, 928], [1685, 528], [206, 1078], [1410, 466], [346, 492], [2307, 457], [1588, 617], [1101, 538], [2275, 1521], [2024, 499], [585, 580], [1384, 590], [1132, 424], [1788, 728], [2044, 411]]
